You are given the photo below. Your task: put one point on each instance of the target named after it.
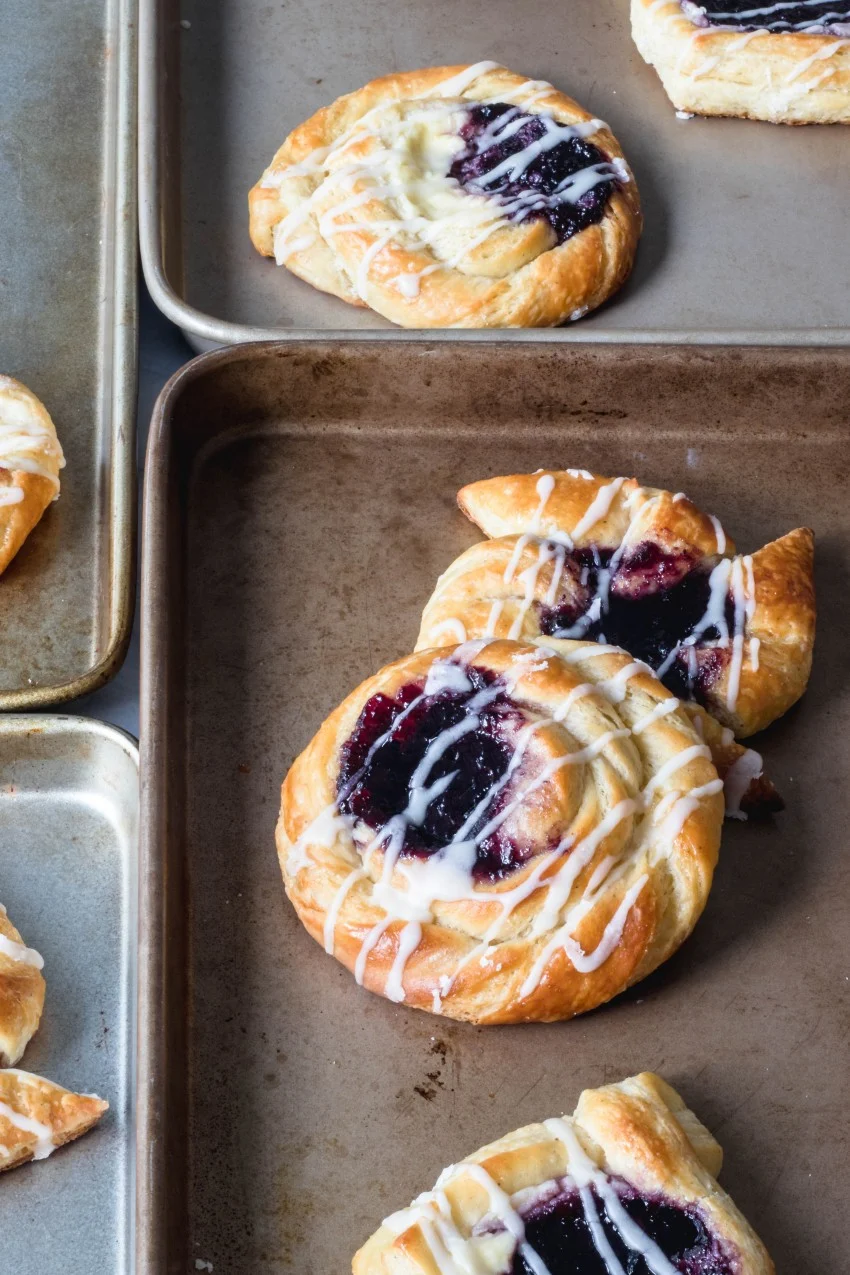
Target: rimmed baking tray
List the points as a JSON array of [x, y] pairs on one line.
[[68, 331], [299, 505], [745, 222], [69, 810]]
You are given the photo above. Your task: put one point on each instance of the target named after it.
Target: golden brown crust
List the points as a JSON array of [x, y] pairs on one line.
[[750, 690], [624, 839], [514, 275], [30, 460], [518, 504], [49, 1117], [638, 1132], [784, 78], [21, 992]]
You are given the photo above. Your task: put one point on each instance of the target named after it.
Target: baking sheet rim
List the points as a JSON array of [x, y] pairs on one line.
[[119, 407], [75, 725], [207, 328]]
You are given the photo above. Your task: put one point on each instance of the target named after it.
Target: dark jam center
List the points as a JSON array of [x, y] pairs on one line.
[[559, 1232], [388, 743], [654, 602], [780, 17], [495, 132]]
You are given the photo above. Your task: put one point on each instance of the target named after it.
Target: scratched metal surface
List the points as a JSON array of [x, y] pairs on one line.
[[68, 331], [745, 222], [69, 802], [300, 503]]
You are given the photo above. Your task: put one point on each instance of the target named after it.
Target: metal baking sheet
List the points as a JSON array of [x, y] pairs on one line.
[[745, 222], [68, 331], [69, 805], [300, 503]]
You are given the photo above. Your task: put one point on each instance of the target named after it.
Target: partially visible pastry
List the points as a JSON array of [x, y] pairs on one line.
[[21, 992], [788, 63], [574, 555], [457, 196], [30, 461], [625, 1184], [37, 1116]]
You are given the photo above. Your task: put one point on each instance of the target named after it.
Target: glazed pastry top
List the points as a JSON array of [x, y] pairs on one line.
[[575, 555], [494, 831], [454, 196], [28, 442], [452, 175]]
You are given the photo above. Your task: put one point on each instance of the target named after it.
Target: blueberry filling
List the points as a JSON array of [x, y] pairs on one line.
[[559, 1232], [568, 184], [379, 760], [655, 600], [753, 15]]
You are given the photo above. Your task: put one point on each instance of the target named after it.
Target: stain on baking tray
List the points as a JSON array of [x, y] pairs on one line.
[[435, 1078]]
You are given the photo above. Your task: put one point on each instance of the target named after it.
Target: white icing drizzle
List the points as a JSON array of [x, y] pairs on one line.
[[333, 911], [42, 1133], [828, 51], [20, 953], [545, 486], [663, 709], [598, 509], [739, 776], [454, 1253], [458, 84], [585, 1174], [368, 944], [719, 533], [733, 19], [26, 441], [755, 644], [409, 940], [586, 962]]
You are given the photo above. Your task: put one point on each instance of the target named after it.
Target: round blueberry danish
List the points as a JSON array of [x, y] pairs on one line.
[[462, 196], [625, 1186], [499, 833]]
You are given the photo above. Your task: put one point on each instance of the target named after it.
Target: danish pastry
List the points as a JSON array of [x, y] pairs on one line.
[[624, 1185], [37, 1116], [462, 196], [499, 833], [574, 555], [21, 992], [788, 63], [30, 460]]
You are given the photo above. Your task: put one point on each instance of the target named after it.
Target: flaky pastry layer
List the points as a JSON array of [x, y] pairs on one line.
[[781, 77], [37, 1116], [21, 992]]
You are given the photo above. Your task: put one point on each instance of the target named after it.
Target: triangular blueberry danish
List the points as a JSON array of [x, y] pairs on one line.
[[37, 1116], [576, 556], [625, 1186], [21, 992]]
